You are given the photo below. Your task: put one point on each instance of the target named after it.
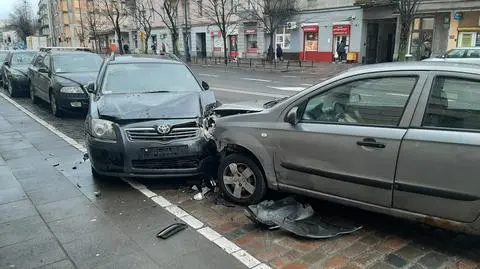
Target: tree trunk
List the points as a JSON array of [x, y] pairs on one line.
[[403, 43], [147, 36], [225, 52], [119, 36], [174, 43]]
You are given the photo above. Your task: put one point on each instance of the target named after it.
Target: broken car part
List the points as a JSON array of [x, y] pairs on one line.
[[171, 230]]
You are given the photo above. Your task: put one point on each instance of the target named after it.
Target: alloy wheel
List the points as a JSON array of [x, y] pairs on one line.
[[239, 180]]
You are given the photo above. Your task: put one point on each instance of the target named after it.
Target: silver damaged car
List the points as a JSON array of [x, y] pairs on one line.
[[399, 139]]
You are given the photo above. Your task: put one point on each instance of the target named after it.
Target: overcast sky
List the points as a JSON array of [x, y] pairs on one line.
[[6, 7]]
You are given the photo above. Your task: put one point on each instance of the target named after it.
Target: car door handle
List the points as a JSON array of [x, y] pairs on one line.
[[371, 143]]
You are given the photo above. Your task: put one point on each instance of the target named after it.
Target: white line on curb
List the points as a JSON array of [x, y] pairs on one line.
[[211, 235]]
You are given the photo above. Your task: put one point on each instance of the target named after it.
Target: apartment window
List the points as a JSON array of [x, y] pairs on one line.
[[200, 8], [283, 37]]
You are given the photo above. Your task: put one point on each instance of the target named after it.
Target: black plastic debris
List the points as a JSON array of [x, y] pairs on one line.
[[78, 185], [299, 219], [74, 168], [56, 164], [97, 194], [85, 157], [171, 230]]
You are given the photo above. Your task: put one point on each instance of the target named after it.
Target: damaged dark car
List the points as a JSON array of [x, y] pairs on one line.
[[146, 119]]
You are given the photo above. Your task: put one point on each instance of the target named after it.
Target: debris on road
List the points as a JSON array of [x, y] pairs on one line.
[[74, 168], [198, 197], [219, 200], [56, 164], [78, 185], [85, 157], [97, 194], [171, 230], [299, 219], [195, 188]]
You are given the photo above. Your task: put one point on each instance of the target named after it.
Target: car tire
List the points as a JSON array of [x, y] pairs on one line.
[[54, 105], [32, 94], [11, 90], [231, 178]]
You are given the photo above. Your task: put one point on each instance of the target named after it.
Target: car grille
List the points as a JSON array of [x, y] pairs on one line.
[[183, 163], [150, 134]]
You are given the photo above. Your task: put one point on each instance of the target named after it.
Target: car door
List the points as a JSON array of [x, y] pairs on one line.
[[346, 143], [43, 81], [439, 159], [33, 69]]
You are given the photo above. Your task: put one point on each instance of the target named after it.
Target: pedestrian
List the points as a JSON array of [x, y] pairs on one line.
[[154, 47], [341, 50], [126, 49], [164, 48], [279, 53]]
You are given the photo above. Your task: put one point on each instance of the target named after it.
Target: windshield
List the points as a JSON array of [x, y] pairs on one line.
[[3, 55], [76, 63], [22, 58], [455, 53], [149, 78]]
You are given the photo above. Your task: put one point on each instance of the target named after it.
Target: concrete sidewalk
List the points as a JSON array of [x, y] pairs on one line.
[[54, 215]]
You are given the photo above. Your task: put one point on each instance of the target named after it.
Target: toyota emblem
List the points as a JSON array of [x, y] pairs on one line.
[[163, 129]]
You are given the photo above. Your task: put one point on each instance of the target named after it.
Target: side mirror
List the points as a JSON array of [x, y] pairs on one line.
[[205, 86], [91, 87], [292, 117], [43, 69]]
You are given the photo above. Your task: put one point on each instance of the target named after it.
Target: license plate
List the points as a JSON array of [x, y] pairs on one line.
[[163, 152]]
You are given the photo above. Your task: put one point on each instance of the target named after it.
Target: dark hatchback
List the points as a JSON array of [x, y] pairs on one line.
[[3, 56], [146, 119], [15, 70], [60, 78]]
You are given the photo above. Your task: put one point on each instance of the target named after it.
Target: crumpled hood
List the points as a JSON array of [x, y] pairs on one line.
[[150, 106], [240, 108], [80, 78]]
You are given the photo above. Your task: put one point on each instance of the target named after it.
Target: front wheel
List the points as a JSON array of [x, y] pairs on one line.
[[11, 90], [54, 105], [241, 180], [32, 94]]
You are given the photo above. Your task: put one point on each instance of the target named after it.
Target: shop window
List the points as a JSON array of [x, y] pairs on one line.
[[283, 38], [251, 43], [422, 31], [311, 41]]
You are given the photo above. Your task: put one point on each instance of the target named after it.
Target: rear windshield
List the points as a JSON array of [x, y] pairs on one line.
[[148, 78]]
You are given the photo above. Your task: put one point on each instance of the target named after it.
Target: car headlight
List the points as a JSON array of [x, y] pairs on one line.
[[103, 129], [71, 90]]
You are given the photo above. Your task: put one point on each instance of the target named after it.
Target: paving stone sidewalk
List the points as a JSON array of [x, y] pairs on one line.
[[53, 215]]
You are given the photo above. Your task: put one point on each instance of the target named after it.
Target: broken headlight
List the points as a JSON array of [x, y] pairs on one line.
[[103, 129]]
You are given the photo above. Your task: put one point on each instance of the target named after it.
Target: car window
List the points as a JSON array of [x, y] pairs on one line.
[[38, 61], [76, 62], [473, 53], [46, 61], [456, 53], [453, 103], [148, 77], [3, 56], [22, 58], [376, 101]]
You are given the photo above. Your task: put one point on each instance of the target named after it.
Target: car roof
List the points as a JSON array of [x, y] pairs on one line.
[[467, 48], [123, 59], [21, 51], [415, 66], [60, 52]]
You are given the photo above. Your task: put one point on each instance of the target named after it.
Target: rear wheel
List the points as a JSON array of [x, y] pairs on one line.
[[241, 179]]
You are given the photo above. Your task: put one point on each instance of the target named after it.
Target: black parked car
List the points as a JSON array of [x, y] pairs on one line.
[[15, 70], [3, 57], [59, 77], [145, 119]]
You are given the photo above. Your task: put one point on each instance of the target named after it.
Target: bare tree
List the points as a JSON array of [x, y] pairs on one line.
[[407, 10], [168, 12], [221, 13], [22, 21], [272, 14], [94, 22], [115, 11], [143, 14]]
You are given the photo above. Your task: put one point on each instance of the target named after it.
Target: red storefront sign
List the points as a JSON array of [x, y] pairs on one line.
[[310, 29], [216, 33], [250, 31], [343, 29]]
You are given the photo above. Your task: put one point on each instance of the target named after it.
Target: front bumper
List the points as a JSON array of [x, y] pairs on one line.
[[73, 102], [124, 157]]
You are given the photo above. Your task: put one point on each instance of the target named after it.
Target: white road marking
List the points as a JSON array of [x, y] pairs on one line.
[[208, 75], [257, 79], [306, 84], [211, 235], [291, 89], [289, 76], [250, 93], [398, 94]]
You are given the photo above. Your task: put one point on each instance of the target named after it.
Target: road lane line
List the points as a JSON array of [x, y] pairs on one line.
[[290, 89], [228, 246], [257, 79], [208, 75], [306, 84], [249, 93]]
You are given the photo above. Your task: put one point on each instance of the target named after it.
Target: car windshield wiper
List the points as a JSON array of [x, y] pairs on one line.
[[156, 91], [273, 102]]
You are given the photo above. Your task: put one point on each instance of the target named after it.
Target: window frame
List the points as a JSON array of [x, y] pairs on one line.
[[302, 111], [284, 34], [420, 110], [302, 98], [430, 89]]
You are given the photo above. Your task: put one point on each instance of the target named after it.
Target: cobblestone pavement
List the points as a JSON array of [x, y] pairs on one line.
[[385, 242]]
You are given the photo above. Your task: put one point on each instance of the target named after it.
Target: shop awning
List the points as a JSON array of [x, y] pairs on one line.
[[469, 29]]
